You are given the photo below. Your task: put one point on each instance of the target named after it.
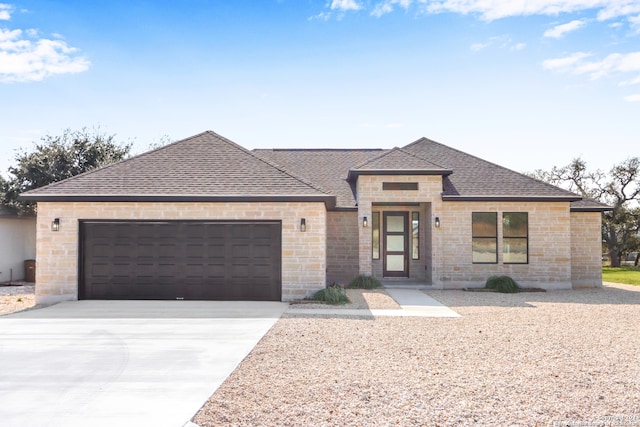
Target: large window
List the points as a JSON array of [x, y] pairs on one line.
[[375, 235], [515, 238], [415, 236], [485, 237]]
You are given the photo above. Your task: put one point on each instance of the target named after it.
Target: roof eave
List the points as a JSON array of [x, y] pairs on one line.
[[354, 173], [506, 198], [330, 201], [592, 209]]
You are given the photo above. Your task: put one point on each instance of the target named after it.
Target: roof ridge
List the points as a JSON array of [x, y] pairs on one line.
[[320, 149], [274, 165], [401, 150], [423, 139], [420, 158], [374, 158]]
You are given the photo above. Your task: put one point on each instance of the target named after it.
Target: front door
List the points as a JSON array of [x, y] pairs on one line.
[[396, 244]]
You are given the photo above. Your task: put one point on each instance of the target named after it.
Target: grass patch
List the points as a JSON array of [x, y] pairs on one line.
[[333, 295], [626, 275], [364, 282], [503, 284]]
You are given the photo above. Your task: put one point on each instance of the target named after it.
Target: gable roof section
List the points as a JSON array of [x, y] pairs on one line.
[[204, 167], [326, 167], [477, 179], [397, 161]]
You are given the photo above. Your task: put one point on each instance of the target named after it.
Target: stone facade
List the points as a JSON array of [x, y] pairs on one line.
[[549, 246], [342, 246], [586, 249], [427, 199], [562, 246], [303, 253]]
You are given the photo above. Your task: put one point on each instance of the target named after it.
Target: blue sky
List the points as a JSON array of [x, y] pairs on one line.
[[526, 84]]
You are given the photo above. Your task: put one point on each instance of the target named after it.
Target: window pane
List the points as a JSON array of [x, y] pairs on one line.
[[514, 251], [395, 243], [484, 224], [395, 262], [375, 231], [395, 223], [514, 224], [415, 241], [485, 250]]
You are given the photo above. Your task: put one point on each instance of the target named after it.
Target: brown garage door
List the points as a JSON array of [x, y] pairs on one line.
[[189, 260]]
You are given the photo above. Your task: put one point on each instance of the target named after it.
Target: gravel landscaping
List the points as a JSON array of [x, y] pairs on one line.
[[554, 358], [16, 297]]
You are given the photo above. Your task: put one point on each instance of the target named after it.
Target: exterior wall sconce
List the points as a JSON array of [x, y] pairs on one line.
[[55, 224], [303, 224], [437, 222], [365, 223]]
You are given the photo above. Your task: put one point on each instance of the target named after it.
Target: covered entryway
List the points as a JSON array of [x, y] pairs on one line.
[[190, 260]]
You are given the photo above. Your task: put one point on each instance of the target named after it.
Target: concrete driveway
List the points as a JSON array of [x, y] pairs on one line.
[[123, 363]]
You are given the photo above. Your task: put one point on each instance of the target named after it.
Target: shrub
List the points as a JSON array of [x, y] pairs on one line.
[[364, 282], [503, 284], [333, 294]]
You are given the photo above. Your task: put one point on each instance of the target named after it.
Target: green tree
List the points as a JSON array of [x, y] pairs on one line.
[[58, 157], [620, 189]]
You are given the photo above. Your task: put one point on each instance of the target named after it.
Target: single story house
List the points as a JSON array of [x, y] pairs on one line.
[[17, 243], [204, 218]]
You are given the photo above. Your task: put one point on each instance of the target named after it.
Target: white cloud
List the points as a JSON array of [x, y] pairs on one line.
[[566, 63], [633, 98], [615, 64], [560, 30], [490, 10], [502, 42], [26, 58], [616, 8], [345, 5], [476, 47], [635, 22], [5, 11], [496, 9], [387, 6], [634, 81], [322, 16]]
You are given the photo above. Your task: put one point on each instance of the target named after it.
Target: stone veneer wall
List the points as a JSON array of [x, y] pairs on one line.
[[342, 246], [428, 194], [549, 263], [303, 253], [586, 249], [550, 236]]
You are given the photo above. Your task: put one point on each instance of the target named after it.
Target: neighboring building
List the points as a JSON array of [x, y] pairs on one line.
[[204, 218], [17, 243]]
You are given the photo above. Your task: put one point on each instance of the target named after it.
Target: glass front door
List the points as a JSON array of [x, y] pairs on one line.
[[396, 244]]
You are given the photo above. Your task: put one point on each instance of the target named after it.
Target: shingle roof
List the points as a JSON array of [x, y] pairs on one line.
[[589, 205], [202, 167], [208, 166], [397, 160], [473, 177], [327, 167]]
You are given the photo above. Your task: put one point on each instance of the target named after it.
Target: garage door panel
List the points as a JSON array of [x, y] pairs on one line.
[[180, 259]]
